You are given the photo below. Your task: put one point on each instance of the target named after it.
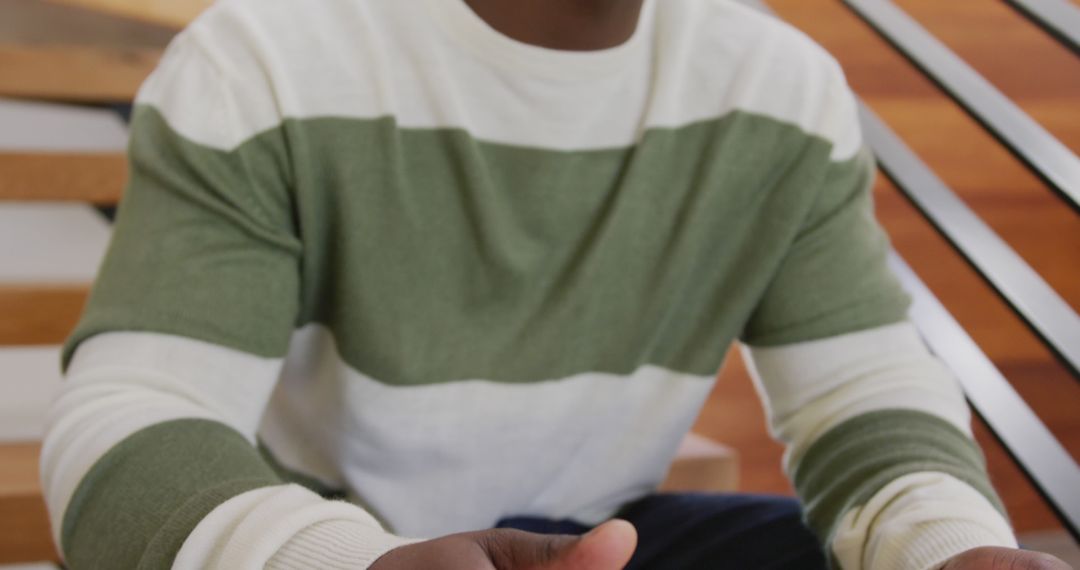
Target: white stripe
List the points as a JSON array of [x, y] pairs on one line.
[[918, 522], [442, 458], [120, 383], [245, 532], [247, 64], [811, 387], [431, 459]]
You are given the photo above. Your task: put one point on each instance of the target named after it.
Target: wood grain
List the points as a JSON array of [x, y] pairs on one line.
[[24, 526], [39, 314], [172, 13], [40, 23], [74, 73], [95, 178]]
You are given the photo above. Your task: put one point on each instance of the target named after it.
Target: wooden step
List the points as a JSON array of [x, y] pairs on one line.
[[64, 52], [40, 176], [50, 151], [24, 523], [703, 465], [39, 314], [75, 73], [171, 13]]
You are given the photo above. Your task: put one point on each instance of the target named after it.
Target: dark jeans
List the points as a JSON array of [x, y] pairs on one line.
[[708, 532]]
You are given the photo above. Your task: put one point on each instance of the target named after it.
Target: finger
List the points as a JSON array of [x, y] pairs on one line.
[[999, 558], [607, 547], [518, 550]]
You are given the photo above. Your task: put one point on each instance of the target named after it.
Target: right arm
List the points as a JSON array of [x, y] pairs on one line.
[[150, 459]]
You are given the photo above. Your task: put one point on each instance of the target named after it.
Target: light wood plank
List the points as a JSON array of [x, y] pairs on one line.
[[30, 380], [95, 178], [702, 466], [74, 72], [173, 13], [39, 315], [38, 22]]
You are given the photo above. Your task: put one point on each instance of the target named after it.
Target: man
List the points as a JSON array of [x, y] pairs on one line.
[[504, 246]]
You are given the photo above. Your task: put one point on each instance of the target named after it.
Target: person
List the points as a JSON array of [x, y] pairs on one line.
[[440, 284]]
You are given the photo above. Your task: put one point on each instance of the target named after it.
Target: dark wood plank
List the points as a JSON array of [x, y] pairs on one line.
[[95, 178], [39, 314], [24, 526], [74, 73]]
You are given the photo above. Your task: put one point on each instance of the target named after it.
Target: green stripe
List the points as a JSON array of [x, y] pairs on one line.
[[433, 256], [142, 499], [851, 462]]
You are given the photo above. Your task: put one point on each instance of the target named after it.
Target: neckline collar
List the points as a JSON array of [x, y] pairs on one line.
[[466, 27]]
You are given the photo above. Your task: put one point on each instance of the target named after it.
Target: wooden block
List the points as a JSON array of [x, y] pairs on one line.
[[703, 465], [80, 73], [39, 314], [40, 176], [24, 523]]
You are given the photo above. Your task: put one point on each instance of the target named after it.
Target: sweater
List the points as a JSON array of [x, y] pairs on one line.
[[382, 274]]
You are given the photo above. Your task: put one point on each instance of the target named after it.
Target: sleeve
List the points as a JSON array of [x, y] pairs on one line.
[[833, 278], [876, 430], [877, 435], [151, 459], [879, 447]]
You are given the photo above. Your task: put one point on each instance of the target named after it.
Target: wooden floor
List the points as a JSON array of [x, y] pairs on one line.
[[80, 64], [1045, 80]]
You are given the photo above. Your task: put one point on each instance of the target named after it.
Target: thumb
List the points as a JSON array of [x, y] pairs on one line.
[[606, 547]]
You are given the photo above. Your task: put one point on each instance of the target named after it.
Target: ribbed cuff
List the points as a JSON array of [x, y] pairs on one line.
[[335, 545], [935, 543]]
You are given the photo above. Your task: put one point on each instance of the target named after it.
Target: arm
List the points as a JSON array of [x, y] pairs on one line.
[[879, 447], [150, 458], [877, 432]]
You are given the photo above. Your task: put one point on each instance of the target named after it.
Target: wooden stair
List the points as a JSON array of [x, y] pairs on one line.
[[76, 58], [71, 52], [24, 524]]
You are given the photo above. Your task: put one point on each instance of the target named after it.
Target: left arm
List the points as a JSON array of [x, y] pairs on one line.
[[877, 431], [879, 448]]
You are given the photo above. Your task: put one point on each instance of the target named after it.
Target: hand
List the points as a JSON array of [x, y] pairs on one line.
[[607, 547], [997, 558]]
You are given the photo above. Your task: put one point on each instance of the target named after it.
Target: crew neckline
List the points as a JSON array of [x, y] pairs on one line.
[[465, 26]]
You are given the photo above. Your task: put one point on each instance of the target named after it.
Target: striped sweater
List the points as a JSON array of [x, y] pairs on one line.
[[373, 250]]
